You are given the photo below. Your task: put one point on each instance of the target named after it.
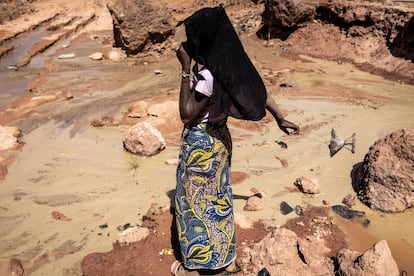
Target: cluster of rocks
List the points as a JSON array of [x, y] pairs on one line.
[[282, 252]]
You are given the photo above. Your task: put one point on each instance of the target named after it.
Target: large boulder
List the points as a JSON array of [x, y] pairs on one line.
[[385, 179], [403, 44], [143, 139], [375, 261], [282, 17], [138, 23]]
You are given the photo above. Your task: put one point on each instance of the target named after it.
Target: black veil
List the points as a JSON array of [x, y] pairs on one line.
[[238, 88]]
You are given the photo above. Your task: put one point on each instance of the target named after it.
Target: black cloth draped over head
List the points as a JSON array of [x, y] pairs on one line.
[[212, 41]]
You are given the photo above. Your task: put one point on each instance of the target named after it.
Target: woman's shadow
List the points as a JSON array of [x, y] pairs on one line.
[[173, 228]]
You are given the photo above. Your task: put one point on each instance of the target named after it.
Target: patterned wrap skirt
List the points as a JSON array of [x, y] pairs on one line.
[[204, 199]]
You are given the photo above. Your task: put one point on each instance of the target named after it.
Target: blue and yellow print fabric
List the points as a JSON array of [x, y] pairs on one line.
[[204, 201]]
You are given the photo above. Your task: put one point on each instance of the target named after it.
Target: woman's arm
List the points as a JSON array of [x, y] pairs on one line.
[[283, 124], [191, 103]]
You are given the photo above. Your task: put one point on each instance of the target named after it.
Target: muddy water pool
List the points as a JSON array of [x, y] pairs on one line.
[[14, 78]]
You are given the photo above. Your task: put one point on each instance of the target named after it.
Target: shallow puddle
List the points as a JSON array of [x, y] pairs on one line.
[[14, 78]]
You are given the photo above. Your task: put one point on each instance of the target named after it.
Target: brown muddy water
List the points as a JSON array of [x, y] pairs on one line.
[[83, 173], [14, 76]]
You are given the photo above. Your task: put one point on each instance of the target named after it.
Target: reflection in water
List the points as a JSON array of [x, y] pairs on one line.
[[362, 238]]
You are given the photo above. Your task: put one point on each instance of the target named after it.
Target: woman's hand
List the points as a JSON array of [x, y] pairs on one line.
[[184, 59], [284, 125]]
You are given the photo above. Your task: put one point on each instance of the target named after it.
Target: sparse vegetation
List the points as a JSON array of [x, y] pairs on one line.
[[133, 165]]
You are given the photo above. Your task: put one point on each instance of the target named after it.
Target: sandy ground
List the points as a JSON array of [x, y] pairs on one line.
[[83, 173]]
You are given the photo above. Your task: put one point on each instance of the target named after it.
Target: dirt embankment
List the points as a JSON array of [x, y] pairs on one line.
[[372, 35]]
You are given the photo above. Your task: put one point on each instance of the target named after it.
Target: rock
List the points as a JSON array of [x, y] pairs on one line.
[[283, 253], [307, 185], [103, 226], [59, 216], [375, 261], [12, 67], [66, 56], [282, 17], [287, 13], [12, 267], [116, 55], [69, 97], [172, 161], [283, 162], [38, 100], [285, 85], [104, 121], [138, 23], [349, 200], [243, 221], [254, 202], [132, 234], [138, 110], [346, 212], [238, 177], [325, 202], [97, 56], [365, 223], [9, 138], [282, 144], [385, 179], [143, 139]]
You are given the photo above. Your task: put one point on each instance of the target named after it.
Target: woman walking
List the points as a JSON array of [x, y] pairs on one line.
[[223, 83]]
